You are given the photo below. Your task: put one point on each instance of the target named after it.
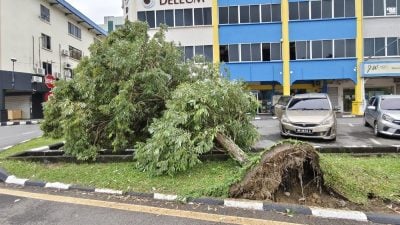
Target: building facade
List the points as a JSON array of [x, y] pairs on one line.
[[349, 49], [112, 23], [39, 37]]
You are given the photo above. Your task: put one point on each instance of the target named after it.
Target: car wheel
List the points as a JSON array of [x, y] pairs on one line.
[[376, 130]]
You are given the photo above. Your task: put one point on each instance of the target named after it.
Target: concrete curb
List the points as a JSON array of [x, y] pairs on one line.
[[55, 146], [27, 122], [234, 203]]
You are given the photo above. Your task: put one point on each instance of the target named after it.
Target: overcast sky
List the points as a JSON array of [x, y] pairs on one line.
[[97, 9]]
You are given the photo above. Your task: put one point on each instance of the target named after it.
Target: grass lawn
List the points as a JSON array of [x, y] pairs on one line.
[[353, 177], [207, 179], [358, 177]]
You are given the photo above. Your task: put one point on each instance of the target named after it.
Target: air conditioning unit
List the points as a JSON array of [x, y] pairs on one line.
[[39, 71], [37, 79], [65, 52], [67, 66]]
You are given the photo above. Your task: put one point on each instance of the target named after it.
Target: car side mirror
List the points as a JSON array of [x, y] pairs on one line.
[[371, 107], [336, 108]]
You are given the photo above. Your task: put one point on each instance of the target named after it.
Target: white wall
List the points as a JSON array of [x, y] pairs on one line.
[[21, 29], [381, 27], [186, 36]]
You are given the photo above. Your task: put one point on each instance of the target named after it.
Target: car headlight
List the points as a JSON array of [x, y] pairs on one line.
[[285, 119], [327, 121], [387, 118]]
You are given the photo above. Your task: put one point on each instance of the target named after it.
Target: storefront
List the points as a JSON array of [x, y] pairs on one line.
[[381, 78]]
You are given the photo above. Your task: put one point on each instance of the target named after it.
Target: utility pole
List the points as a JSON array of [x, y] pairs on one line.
[[13, 60]]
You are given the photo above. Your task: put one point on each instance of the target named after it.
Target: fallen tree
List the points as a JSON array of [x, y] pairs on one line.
[[199, 117], [136, 90], [287, 167], [116, 92]]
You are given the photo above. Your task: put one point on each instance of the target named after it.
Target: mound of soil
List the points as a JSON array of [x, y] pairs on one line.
[[290, 173], [285, 168]]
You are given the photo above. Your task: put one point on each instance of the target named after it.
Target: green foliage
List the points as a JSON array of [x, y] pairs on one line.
[[194, 115], [116, 92], [119, 94]]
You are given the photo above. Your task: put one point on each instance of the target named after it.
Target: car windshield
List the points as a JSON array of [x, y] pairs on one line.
[[390, 104], [309, 104]]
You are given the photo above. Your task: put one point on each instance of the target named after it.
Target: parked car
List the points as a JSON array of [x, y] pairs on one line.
[[309, 116], [383, 114], [280, 106]]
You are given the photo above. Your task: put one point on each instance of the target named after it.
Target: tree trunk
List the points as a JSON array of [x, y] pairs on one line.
[[236, 153]]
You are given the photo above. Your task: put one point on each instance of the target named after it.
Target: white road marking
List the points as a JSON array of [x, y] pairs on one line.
[[351, 125], [29, 132], [7, 147], [165, 197], [342, 214], [256, 205], [375, 141], [15, 180], [43, 148], [348, 116], [57, 185], [25, 141], [274, 117], [108, 191]]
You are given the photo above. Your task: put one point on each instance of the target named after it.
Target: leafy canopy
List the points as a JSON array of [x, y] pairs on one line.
[[134, 90], [195, 114], [116, 92]]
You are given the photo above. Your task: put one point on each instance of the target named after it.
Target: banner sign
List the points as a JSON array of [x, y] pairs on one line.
[[375, 69]]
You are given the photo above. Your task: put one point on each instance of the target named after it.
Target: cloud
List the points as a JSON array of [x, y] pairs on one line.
[[96, 10]]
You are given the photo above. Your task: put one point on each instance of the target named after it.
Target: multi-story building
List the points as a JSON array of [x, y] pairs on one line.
[[39, 37], [189, 22], [112, 23], [349, 49]]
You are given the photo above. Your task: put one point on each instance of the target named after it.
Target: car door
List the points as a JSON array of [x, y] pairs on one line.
[[368, 115], [374, 113]]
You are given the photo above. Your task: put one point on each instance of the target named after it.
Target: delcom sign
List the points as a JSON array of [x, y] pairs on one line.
[[151, 3]]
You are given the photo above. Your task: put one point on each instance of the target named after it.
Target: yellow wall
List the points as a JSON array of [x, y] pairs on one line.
[[285, 46], [215, 31], [358, 103]]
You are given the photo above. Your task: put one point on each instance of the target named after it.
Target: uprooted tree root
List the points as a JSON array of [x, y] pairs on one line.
[[285, 167]]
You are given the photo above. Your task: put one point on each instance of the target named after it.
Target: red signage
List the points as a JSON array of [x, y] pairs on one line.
[[48, 95], [49, 80]]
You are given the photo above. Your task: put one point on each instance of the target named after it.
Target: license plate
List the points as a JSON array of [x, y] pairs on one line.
[[304, 131]]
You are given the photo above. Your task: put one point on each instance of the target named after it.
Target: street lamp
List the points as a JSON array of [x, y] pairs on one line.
[[13, 60]]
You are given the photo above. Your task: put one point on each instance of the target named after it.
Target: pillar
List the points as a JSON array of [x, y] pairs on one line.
[[357, 106], [285, 46], [215, 23]]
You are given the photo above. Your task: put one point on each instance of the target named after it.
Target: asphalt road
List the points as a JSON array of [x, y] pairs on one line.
[[12, 135], [350, 132], [45, 207]]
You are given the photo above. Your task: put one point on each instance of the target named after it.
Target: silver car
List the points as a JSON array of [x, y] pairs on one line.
[[383, 114], [309, 116]]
